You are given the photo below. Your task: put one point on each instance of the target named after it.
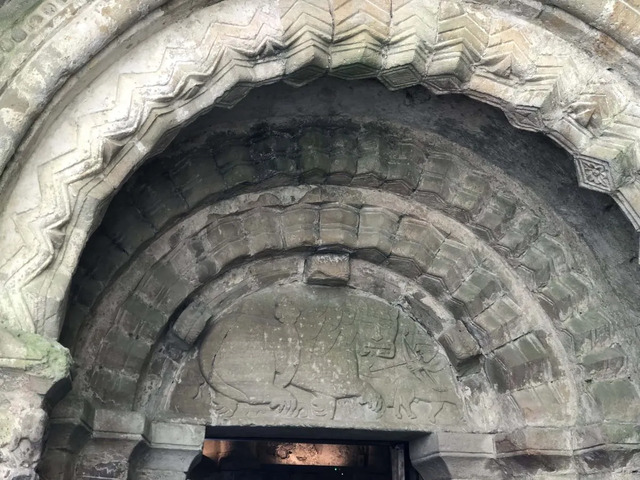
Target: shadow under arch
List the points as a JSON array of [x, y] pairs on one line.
[[410, 249], [224, 62]]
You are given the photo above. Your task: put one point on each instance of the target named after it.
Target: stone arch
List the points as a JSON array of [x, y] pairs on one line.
[[457, 282], [480, 268], [506, 59], [453, 48]]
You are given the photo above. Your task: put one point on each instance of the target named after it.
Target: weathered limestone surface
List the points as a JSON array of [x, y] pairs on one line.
[[99, 443], [33, 374], [335, 260], [341, 359], [200, 247], [541, 81]]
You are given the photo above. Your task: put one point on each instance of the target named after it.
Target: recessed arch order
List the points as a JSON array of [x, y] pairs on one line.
[[90, 90], [430, 234], [180, 62]]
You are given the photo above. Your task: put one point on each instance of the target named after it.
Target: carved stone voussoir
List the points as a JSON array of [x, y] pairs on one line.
[[228, 48], [327, 269]]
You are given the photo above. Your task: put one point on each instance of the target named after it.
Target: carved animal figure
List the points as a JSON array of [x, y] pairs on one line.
[[330, 361], [423, 383], [252, 359]]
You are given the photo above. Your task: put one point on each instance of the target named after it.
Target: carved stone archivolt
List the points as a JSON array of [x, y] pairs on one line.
[[498, 269], [339, 275], [320, 283], [217, 53], [475, 286], [317, 274]]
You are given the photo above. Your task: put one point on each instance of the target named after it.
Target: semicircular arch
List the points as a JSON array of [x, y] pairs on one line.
[[456, 48], [486, 302]]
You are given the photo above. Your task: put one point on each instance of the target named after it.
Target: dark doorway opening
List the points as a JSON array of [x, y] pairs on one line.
[[264, 459]]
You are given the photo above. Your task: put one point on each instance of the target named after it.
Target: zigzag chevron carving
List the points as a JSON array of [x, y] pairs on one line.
[[461, 42], [412, 36], [448, 46]]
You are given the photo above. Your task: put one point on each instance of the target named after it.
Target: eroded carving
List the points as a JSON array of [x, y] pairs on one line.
[[324, 353], [472, 53], [273, 344]]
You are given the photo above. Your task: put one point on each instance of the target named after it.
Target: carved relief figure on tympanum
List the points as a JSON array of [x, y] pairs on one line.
[[335, 337], [418, 373], [378, 330], [252, 358], [305, 350], [424, 382]]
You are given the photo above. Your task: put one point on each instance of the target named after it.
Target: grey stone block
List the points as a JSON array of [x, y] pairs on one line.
[[495, 214], [478, 291], [445, 455], [459, 344], [453, 262], [300, 226], [435, 172], [469, 192], [196, 177], [228, 241], [605, 362], [328, 269], [618, 400], [498, 324], [404, 165], [106, 422], [175, 435], [523, 361], [418, 241], [339, 225], [523, 229], [376, 229], [564, 294], [589, 330], [236, 165], [263, 230], [315, 160]]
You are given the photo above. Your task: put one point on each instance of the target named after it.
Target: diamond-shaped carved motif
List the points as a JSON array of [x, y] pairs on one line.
[[595, 175]]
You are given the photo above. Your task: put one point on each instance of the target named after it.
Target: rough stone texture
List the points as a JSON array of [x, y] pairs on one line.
[[340, 358], [474, 271], [22, 426], [525, 288], [23, 420], [543, 84], [90, 443], [455, 455], [329, 269], [33, 374]]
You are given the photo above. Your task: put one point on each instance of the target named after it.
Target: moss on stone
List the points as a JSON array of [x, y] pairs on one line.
[[34, 354]]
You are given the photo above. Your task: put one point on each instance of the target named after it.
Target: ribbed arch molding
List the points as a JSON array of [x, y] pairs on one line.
[[501, 285], [468, 237], [372, 156], [216, 54], [481, 311]]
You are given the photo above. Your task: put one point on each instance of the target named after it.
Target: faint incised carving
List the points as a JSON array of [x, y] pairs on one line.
[[308, 354], [274, 347]]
